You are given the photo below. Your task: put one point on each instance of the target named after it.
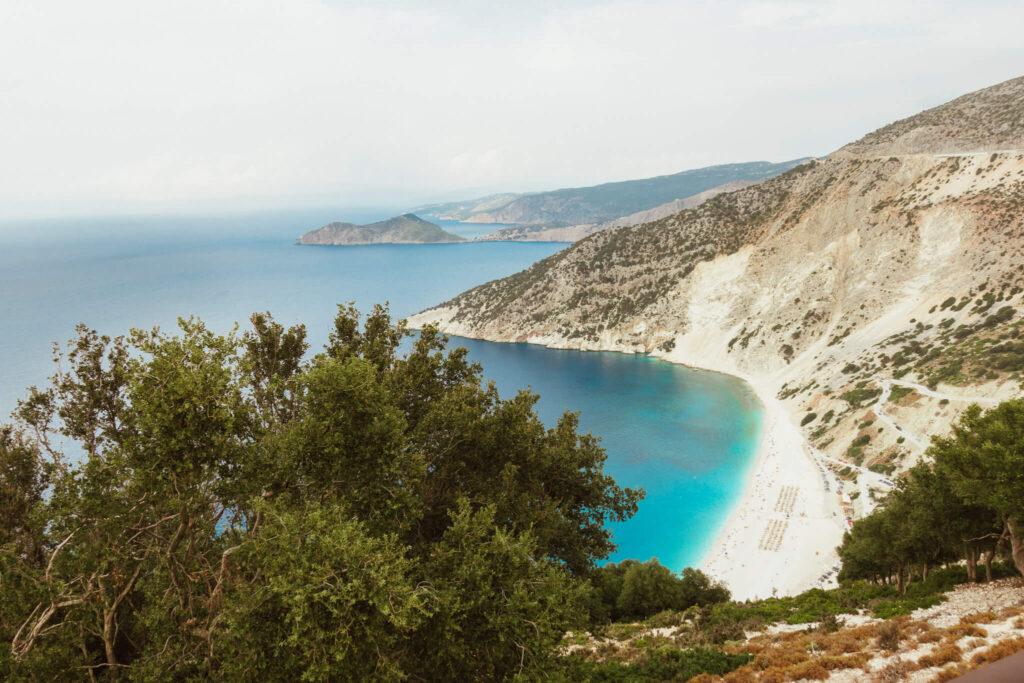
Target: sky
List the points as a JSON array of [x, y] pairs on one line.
[[140, 106]]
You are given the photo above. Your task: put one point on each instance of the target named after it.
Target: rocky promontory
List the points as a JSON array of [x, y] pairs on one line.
[[406, 229]]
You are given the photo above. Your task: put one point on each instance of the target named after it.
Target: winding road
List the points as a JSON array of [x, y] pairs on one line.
[[887, 385], [868, 479]]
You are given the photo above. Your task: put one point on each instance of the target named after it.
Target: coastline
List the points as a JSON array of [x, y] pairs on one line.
[[780, 535]]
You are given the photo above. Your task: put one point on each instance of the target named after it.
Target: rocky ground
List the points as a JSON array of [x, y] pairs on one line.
[[977, 624]]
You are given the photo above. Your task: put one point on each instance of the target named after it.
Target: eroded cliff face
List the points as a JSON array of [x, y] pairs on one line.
[[901, 255]]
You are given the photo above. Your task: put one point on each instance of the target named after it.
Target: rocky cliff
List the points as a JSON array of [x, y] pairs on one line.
[[406, 229], [900, 255]]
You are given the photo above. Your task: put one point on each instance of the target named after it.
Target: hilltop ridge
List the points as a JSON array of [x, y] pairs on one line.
[[599, 204], [990, 119]]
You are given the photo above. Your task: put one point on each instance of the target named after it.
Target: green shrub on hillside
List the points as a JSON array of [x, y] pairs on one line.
[[661, 665]]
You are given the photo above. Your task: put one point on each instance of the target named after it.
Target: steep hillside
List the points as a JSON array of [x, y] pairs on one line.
[[537, 233], [901, 256], [406, 229], [600, 203]]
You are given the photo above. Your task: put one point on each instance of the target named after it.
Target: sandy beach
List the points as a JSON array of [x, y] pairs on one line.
[[780, 538]]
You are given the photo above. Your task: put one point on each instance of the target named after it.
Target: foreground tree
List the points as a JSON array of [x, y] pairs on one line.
[[983, 460], [964, 504], [209, 506]]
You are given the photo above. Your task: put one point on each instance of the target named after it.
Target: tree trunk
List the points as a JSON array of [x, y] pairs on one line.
[[900, 588], [924, 572], [1016, 544], [987, 559], [108, 640], [970, 554]]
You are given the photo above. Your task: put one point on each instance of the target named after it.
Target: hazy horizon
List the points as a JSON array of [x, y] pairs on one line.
[[119, 107]]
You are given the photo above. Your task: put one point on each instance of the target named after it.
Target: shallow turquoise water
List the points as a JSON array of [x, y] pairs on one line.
[[686, 436]]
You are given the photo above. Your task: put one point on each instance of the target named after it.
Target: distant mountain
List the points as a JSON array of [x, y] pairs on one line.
[[536, 233], [600, 203], [405, 229], [466, 209]]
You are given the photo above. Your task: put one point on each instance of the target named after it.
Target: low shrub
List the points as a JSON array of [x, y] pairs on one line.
[[947, 653], [979, 618], [661, 665], [1004, 648], [893, 672], [958, 631], [889, 636]]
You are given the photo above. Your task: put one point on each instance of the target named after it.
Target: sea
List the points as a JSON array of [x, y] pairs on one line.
[[688, 437]]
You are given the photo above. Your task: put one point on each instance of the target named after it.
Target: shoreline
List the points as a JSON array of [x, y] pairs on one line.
[[783, 529]]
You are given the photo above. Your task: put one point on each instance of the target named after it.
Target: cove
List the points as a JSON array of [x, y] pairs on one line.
[[688, 437]]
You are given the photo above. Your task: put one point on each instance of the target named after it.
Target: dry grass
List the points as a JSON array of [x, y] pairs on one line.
[[950, 673], [947, 653], [743, 675], [955, 633], [705, 678], [975, 643], [804, 656], [979, 618], [814, 654], [893, 672], [1004, 648]]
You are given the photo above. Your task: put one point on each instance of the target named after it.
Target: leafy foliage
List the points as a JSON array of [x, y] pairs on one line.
[[966, 505], [637, 590], [198, 506], [663, 665]]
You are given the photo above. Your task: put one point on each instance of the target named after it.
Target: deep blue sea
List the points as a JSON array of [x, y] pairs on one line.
[[686, 436]]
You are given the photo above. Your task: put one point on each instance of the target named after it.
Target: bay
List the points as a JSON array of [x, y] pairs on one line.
[[686, 436]]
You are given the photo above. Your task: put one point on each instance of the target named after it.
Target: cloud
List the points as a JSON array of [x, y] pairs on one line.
[[127, 104]]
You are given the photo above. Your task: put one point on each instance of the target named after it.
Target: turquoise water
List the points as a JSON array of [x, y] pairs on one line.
[[686, 436]]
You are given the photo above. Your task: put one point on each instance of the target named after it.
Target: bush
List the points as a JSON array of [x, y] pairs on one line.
[[661, 665], [638, 590], [830, 623], [947, 653], [808, 418], [889, 636]]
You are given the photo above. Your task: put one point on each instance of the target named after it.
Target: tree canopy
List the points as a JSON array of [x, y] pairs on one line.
[[964, 503], [197, 505]]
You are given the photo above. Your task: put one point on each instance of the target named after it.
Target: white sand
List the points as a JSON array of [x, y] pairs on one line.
[[814, 523]]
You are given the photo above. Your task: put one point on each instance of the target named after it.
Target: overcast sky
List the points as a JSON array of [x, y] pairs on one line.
[[134, 105]]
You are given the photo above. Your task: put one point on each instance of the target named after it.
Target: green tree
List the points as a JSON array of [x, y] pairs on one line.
[[983, 460], [226, 509]]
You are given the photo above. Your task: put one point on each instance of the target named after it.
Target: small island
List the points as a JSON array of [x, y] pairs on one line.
[[406, 229]]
